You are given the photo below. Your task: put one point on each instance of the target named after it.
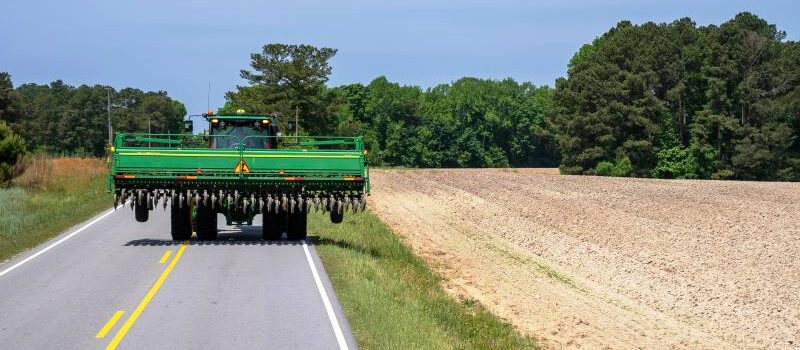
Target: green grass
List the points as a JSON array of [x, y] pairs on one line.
[[391, 298], [31, 215]]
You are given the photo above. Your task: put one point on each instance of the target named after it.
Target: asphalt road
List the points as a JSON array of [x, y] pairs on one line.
[[121, 284]]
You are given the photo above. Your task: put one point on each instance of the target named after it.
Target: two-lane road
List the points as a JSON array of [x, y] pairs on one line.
[[120, 284]]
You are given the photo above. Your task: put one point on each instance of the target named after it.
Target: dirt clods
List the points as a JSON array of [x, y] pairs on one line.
[[595, 262]]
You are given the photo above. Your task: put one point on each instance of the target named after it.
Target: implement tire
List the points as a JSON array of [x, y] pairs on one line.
[[140, 211], [206, 222], [298, 225], [180, 222], [337, 214], [273, 225]]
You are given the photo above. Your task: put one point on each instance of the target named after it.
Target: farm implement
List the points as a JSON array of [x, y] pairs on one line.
[[240, 168]]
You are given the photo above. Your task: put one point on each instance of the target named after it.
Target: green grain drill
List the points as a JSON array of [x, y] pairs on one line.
[[242, 167]]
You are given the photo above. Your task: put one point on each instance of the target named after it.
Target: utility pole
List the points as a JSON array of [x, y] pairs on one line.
[[108, 109], [296, 121]]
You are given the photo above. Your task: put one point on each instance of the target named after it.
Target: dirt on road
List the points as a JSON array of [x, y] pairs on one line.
[[597, 262]]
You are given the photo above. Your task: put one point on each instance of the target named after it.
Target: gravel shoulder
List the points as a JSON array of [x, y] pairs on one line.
[[595, 262]]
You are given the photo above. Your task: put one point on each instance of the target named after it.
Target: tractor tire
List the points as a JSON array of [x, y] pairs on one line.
[[180, 222], [206, 223], [298, 225], [337, 213], [141, 212], [273, 224]]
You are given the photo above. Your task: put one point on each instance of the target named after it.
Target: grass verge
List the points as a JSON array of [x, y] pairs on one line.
[[51, 196], [392, 300]]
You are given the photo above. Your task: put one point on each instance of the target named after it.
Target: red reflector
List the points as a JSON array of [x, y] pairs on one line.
[[124, 176], [186, 177], [199, 171]]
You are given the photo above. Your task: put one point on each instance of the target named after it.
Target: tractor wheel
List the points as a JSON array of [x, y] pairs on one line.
[[206, 223], [181, 222], [140, 211], [273, 225], [298, 225], [337, 213]]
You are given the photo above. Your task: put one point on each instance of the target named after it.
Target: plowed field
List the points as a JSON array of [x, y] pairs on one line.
[[596, 262]]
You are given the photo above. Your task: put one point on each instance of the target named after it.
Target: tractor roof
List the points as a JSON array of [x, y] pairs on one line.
[[238, 117]]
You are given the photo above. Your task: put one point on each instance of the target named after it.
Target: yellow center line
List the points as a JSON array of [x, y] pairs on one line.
[[146, 300], [165, 257], [110, 324]]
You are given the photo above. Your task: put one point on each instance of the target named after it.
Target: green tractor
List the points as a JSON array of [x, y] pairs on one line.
[[241, 167]]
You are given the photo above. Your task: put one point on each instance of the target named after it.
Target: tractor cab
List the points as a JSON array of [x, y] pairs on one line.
[[251, 131]]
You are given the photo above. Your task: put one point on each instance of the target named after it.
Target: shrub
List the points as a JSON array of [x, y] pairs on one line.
[[12, 152], [605, 169], [675, 163], [723, 174], [624, 168], [571, 170]]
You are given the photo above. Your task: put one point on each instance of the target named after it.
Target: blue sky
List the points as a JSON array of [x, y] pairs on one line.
[[179, 46]]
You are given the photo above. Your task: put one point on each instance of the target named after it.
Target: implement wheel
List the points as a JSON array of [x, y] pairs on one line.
[[298, 224], [206, 222], [337, 212], [273, 224], [140, 211], [180, 221]]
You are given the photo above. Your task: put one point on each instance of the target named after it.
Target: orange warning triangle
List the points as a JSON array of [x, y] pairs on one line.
[[241, 167]]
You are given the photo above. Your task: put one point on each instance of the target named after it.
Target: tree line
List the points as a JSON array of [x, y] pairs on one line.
[[468, 123], [668, 100], [58, 118], [677, 100]]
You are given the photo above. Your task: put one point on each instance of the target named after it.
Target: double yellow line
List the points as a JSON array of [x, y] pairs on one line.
[[142, 304]]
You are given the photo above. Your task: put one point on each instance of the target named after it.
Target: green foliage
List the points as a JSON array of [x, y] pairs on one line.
[[605, 168], [12, 151], [669, 96], [570, 170], [469, 123], [62, 119], [9, 99], [288, 80], [676, 163], [624, 168]]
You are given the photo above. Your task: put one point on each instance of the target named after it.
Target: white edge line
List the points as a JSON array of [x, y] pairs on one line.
[[337, 330], [109, 212]]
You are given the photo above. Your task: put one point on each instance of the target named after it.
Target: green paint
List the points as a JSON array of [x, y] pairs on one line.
[[157, 161]]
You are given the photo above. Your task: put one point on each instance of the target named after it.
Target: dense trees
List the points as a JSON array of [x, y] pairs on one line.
[[59, 118], [469, 123], [681, 101]]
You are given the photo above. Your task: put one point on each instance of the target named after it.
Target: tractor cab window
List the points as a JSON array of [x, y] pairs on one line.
[[228, 134]]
